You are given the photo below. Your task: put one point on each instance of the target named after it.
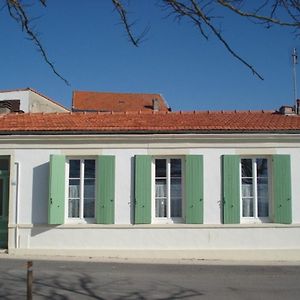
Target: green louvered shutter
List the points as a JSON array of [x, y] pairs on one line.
[[194, 189], [56, 206], [105, 199], [281, 167], [142, 213], [231, 189]]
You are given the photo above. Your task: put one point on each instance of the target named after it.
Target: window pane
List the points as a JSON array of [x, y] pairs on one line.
[[263, 197], [73, 208], [247, 188], [262, 188], [247, 167], [160, 168], [263, 207], [89, 188], [4, 164], [176, 208], [175, 167], [160, 188], [74, 188], [262, 167], [175, 188], [89, 208], [161, 208], [247, 207], [89, 168], [74, 171]]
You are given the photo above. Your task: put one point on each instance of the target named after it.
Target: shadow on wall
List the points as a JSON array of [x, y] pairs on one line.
[[40, 191]]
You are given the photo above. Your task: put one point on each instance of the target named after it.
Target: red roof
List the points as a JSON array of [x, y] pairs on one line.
[[145, 122], [101, 101]]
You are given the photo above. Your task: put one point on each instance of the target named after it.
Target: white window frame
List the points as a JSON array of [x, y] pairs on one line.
[[256, 218], [168, 219], [81, 218]]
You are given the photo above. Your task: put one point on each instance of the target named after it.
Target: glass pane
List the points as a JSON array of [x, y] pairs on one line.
[[263, 207], [4, 164], [161, 208], [247, 188], [175, 188], [74, 188], [89, 208], [89, 188], [160, 168], [74, 171], [1, 197], [247, 207], [246, 167], [262, 188], [176, 207], [175, 167], [160, 188], [262, 167], [89, 168], [73, 208]]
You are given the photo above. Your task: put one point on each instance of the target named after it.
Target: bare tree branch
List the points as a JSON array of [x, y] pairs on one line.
[[257, 16], [120, 8], [18, 13]]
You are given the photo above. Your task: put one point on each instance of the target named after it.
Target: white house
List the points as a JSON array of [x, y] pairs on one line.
[[28, 100], [192, 183]]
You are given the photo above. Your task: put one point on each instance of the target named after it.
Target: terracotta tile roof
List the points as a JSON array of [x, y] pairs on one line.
[[103, 101], [158, 122]]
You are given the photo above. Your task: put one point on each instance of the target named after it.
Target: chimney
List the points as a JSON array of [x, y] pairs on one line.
[[286, 110], [155, 104], [298, 107]]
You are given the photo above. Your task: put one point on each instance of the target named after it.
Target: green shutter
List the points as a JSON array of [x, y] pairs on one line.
[[281, 167], [142, 189], [231, 189], [194, 189], [105, 200], [56, 210]]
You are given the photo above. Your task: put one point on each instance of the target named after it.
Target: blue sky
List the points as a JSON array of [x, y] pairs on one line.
[[91, 50]]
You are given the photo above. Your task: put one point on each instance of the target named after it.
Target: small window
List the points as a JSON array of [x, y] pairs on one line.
[[168, 189], [81, 188], [255, 188]]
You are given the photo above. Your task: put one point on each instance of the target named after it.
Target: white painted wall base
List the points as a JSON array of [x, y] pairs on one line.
[[182, 256]]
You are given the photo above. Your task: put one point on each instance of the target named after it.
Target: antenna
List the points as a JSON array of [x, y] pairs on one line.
[[295, 61]]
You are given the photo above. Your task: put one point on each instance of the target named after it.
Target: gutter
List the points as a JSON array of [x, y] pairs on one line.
[[146, 132]]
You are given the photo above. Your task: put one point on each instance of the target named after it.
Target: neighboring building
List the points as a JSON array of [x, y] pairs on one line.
[[117, 102], [27, 100], [150, 181]]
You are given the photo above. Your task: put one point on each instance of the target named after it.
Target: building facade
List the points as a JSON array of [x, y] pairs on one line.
[[163, 181]]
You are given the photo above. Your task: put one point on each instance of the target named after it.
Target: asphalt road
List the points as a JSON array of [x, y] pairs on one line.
[[96, 280]]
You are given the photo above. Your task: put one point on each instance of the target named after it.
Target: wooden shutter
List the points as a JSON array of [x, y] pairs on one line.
[[281, 168], [105, 199], [142, 189], [56, 206], [194, 189], [231, 189]]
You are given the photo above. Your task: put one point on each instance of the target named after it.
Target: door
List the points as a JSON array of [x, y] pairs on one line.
[[4, 179]]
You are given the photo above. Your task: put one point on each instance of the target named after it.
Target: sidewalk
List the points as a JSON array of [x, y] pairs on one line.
[[209, 257]]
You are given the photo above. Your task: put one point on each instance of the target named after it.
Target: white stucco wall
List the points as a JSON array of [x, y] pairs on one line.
[[31, 101], [32, 232], [23, 96]]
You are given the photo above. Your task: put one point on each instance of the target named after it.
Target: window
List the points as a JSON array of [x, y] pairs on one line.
[[257, 188], [72, 189], [168, 189], [159, 193], [81, 188], [254, 188]]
